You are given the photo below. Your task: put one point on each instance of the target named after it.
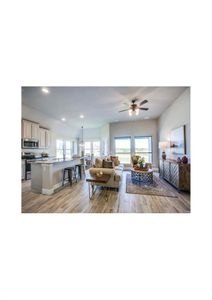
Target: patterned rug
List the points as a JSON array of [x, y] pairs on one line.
[[157, 188]]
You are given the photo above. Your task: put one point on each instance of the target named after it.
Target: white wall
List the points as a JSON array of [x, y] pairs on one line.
[[58, 129], [105, 139], [137, 128], [91, 133], [176, 115]]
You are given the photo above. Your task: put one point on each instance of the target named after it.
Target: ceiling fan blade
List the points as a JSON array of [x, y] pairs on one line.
[[134, 100], [143, 108], [143, 102], [123, 110], [126, 104]]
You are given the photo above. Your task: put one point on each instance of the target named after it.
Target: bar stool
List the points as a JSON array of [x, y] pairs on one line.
[[71, 175], [81, 170]]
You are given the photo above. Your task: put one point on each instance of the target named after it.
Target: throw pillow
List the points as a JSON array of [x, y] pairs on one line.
[[98, 163], [135, 159], [115, 160], [107, 164]]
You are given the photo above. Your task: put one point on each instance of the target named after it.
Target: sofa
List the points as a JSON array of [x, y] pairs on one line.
[[114, 170]]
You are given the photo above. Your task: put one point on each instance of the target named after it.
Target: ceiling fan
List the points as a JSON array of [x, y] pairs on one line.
[[134, 107]]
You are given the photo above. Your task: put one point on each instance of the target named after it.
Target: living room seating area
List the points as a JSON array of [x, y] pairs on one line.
[[136, 158]]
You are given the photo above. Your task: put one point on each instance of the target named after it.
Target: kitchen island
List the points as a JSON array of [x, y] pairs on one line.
[[47, 175]]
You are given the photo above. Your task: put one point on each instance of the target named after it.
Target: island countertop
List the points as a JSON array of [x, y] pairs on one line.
[[47, 175], [56, 160]]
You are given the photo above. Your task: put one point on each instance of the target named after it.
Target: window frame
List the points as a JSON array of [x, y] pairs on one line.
[[92, 141], [86, 153], [69, 149], [130, 149], [60, 149], [92, 147], [148, 152], [64, 148]]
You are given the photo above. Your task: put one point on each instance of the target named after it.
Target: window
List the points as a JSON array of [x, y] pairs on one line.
[[75, 148], [59, 149], [92, 147], [68, 149], [64, 149], [123, 149], [143, 147], [96, 148], [88, 148]]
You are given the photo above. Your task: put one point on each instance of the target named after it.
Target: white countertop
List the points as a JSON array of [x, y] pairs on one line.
[[55, 160]]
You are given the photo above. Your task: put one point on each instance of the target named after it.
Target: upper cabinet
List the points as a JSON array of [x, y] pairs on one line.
[[35, 131], [48, 138], [32, 130], [26, 129], [45, 139], [42, 139]]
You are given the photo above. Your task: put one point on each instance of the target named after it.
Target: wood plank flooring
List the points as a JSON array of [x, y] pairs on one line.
[[75, 200]]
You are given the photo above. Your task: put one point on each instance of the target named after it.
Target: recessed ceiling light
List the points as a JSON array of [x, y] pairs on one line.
[[81, 116], [63, 119], [45, 90]]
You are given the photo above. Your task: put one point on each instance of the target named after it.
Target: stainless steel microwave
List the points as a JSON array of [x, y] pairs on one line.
[[30, 143]]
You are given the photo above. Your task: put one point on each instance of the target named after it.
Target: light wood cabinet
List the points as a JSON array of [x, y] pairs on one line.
[[35, 131], [30, 130], [26, 129], [42, 139], [177, 174], [45, 138], [23, 169], [48, 138]]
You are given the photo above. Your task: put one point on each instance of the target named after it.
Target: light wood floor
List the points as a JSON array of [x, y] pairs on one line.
[[75, 200]]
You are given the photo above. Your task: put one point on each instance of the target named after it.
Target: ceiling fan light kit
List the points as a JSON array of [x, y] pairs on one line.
[[135, 108]]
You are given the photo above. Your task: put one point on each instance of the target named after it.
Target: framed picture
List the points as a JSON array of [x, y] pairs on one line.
[[177, 141]]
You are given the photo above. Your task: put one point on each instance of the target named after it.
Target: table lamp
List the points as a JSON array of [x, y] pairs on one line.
[[163, 146]]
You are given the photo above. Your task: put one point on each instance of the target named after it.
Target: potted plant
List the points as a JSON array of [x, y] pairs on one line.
[[141, 162]]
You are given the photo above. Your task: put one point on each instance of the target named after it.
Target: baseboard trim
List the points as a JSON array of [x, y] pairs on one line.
[[51, 191]]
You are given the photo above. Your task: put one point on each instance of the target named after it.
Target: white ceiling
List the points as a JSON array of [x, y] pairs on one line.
[[99, 105]]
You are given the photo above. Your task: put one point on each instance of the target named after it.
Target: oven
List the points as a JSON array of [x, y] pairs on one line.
[[29, 158], [28, 163]]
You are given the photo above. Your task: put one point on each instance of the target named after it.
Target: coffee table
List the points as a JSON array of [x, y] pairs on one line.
[[145, 176], [93, 179]]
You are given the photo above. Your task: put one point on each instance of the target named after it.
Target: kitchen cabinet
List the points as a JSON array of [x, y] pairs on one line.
[[45, 138], [30, 130], [35, 131], [42, 138], [23, 169], [26, 129], [48, 138]]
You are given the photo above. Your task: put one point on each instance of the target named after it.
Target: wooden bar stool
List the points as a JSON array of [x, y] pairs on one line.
[[71, 175]]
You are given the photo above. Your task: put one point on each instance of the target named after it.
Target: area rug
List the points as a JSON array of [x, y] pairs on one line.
[[157, 188]]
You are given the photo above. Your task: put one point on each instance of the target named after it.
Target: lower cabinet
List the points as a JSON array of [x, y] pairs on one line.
[[174, 175], [23, 169], [166, 171], [177, 174]]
